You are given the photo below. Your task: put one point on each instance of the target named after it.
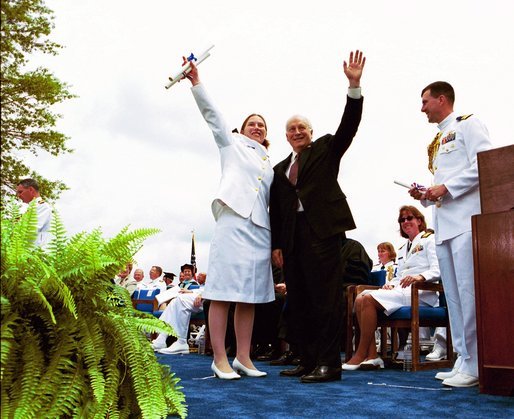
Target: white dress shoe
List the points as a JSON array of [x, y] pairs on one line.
[[449, 374], [240, 368], [372, 364], [351, 367], [438, 353], [156, 345], [178, 347], [461, 380], [224, 375]]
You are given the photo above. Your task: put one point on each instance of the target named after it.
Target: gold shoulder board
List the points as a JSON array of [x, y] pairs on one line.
[[427, 234], [463, 117]]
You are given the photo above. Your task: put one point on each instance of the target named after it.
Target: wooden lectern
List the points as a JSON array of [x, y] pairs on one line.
[[493, 254]]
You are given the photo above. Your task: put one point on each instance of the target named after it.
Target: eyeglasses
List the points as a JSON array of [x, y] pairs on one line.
[[408, 218]]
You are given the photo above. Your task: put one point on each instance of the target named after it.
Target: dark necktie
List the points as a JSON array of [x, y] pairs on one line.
[[383, 267], [293, 171]]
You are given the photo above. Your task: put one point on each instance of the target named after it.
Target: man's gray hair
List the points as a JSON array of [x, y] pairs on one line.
[[301, 118]]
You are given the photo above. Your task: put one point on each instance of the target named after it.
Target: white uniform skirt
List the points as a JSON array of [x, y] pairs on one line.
[[239, 261], [393, 299]]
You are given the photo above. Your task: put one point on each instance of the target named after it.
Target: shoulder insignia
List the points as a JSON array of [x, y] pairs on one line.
[[402, 246], [427, 234], [463, 117]]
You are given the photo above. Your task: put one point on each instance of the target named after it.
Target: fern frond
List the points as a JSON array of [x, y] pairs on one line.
[[59, 238], [64, 383], [108, 405], [32, 360], [9, 325], [92, 347]]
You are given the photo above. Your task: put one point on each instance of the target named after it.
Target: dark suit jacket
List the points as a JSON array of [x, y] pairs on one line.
[[324, 202]]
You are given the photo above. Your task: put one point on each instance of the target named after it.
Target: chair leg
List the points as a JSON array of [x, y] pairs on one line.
[[383, 342]]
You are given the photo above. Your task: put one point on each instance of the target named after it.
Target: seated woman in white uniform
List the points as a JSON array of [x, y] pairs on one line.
[[240, 254], [417, 261], [387, 260]]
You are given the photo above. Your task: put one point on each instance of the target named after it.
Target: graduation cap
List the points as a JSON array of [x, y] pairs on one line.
[[169, 275], [187, 266]]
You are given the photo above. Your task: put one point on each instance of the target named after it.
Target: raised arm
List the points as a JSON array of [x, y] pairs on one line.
[[220, 129]]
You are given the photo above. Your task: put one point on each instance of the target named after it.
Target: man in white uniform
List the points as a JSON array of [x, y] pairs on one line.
[[28, 190], [155, 279], [178, 315], [453, 162]]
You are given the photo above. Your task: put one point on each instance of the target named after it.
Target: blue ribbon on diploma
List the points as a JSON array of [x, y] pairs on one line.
[[187, 67]]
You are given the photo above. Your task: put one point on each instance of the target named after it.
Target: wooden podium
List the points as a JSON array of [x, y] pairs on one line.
[[493, 254]]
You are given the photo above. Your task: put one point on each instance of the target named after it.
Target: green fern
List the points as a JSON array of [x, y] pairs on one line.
[[72, 345]]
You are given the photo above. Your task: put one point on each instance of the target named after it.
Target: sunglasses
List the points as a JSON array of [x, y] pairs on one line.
[[408, 218]]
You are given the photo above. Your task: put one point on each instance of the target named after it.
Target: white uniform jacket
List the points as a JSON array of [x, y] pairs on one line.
[[157, 283], [420, 259], [455, 166], [245, 166], [390, 268]]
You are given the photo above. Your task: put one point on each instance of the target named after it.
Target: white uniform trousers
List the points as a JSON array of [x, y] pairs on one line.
[[456, 263], [178, 314]]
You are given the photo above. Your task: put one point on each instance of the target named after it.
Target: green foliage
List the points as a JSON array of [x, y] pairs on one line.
[[72, 345], [27, 122]]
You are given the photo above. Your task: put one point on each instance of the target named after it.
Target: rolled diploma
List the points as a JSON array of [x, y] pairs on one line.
[[187, 67], [402, 184]]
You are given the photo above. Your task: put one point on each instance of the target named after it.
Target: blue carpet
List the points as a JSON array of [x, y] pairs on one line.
[[361, 394]]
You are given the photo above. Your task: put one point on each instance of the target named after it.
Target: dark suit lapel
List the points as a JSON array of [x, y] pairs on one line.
[[283, 165], [304, 160]]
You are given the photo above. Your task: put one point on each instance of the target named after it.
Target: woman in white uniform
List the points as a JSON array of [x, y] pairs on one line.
[[239, 264], [387, 260], [417, 261]]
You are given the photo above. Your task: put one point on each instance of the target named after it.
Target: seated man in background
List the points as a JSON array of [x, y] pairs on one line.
[[125, 280], [178, 314], [168, 278], [139, 276], [155, 279]]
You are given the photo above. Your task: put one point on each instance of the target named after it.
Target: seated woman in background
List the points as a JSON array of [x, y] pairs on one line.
[[417, 261], [387, 260]]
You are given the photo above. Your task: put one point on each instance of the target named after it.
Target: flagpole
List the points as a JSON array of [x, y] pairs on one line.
[[193, 253]]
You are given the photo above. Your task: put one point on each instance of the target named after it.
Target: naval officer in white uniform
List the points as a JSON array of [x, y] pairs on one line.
[[453, 162], [239, 264], [28, 190]]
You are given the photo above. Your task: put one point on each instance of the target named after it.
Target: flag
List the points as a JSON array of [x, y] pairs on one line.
[[193, 253]]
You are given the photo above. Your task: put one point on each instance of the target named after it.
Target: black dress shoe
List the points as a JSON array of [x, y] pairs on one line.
[[296, 361], [284, 359], [297, 371], [268, 356], [322, 374]]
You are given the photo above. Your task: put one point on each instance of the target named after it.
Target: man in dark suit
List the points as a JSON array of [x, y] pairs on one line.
[[309, 216]]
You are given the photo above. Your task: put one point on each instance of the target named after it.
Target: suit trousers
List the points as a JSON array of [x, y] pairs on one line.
[[456, 263], [314, 309]]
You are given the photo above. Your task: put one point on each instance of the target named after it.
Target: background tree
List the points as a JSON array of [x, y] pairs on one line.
[[27, 121]]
